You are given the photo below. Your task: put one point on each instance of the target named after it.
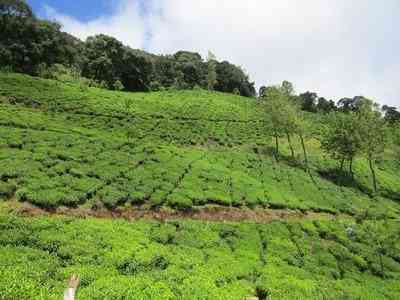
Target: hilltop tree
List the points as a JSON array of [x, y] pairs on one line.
[[211, 71], [325, 106], [108, 60], [351, 104], [308, 101], [262, 91], [231, 77], [392, 115], [27, 42], [192, 68], [15, 8]]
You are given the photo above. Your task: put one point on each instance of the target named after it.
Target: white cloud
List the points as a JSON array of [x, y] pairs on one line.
[[336, 48], [126, 24]]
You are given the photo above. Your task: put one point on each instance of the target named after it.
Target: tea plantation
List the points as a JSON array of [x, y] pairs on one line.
[[67, 145], [324, 259]]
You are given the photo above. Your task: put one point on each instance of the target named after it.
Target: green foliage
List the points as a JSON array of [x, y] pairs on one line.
[[6, 190], [38, 47], [211, 71], [231, 77], [61, 145], [341, 139], [333, 259], [26, 42], [118, 86]]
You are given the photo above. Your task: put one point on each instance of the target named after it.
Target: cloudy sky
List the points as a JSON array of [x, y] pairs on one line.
[[337, 48]]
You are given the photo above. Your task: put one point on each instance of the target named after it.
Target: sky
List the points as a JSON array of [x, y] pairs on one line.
[[336, 48]]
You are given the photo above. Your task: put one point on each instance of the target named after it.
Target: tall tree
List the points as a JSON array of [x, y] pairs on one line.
[[341, 138], [308, 101], [392, 115], [26, 42], [15, 8], [192, 67], [284, 113], [373, 133], [351, 104], [272, 100], [108, 60], [211, 71], [231, 77], [325, 106]]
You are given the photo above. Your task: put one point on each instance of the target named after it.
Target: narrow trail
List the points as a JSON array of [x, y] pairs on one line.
[[213, 213]]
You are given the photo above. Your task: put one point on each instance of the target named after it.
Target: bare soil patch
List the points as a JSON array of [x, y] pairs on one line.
[[206, 213]]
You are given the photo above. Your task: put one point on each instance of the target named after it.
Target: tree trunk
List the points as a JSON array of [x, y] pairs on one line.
[[276, 146], [351, 168], [371, 166], [381, 265], [304, 151], [290, 144], [341, 164]]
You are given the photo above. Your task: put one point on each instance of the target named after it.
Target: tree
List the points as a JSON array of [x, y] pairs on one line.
[[272, 104], [325, 106], [230, 77], [164, 71], [27, 42], [192, 67], [211, 71], [284, 114], [341, 139], [392, 115], [15, 8], [262, 91], [373, 135], [351, 104], [108, 60], [308, 101]]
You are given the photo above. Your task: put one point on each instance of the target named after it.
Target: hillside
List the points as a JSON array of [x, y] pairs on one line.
[[66, 146]]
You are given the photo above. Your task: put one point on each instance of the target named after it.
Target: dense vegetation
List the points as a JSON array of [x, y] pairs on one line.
[[35, 47], [75, 136], [64, 145], [320, 259]]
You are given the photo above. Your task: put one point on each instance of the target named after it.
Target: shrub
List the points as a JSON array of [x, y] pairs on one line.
[[6, 190], [112, 196], [118, 86]]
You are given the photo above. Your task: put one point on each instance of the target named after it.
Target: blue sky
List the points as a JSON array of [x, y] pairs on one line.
[[82, 10], [336, 48]]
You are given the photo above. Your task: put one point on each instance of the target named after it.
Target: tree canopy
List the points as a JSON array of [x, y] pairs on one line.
[[27, 44]]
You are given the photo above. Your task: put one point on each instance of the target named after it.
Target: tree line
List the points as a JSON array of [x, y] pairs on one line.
[[311, 102], [34, 46], [355, 128]]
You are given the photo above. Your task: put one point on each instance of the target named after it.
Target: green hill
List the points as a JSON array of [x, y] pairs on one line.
[[69, 145], [64, 145]]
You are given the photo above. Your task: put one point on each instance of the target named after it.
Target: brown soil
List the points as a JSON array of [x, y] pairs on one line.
[[206, 213]]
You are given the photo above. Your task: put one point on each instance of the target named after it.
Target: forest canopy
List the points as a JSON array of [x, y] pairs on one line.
[[30, 45]]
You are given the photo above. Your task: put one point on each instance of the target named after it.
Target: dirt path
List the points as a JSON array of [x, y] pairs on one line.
[[206, 213]]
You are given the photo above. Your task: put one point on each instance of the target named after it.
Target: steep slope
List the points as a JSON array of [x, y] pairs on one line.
[[320, 259], [70, 145], [84, 148]]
